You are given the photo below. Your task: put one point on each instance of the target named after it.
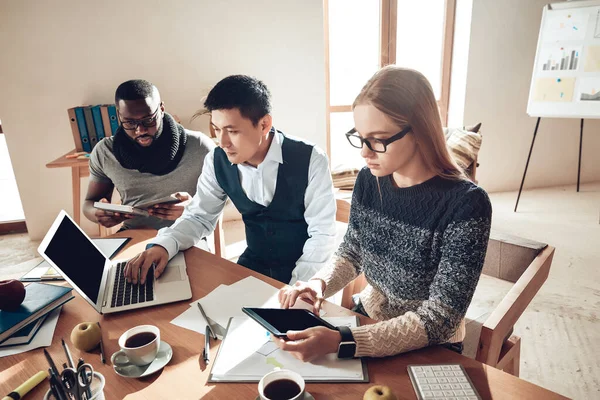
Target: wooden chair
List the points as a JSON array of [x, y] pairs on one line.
[[511, 259]]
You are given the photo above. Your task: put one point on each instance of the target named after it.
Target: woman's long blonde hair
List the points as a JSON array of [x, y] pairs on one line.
[[406, 97]]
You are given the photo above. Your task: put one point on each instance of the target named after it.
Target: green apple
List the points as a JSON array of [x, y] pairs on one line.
[[86, 336], [379, 392], [12, 294]]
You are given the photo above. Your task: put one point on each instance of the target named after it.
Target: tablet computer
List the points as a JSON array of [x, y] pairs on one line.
[[171, 199], [119, 208], [279, 321]]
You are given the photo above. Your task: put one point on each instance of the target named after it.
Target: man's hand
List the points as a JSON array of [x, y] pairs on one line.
[[137, 268], [171, 211], [311, 291], [109, 219], [310, 343]]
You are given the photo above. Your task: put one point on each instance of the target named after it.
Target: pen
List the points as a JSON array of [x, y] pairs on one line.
[[57, 386], [214, 335], [67, 353], [55, 377], [26, 386], [205, 354], [53, 388], [51, 362], [102, 357]]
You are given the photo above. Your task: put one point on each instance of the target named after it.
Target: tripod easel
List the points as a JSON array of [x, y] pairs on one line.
[[537, 124]]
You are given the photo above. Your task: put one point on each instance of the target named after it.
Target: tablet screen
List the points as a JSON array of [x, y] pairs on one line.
[[288, 320]]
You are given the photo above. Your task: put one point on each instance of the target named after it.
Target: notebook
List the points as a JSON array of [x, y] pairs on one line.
[[25, 334], [247, 353], [40, 299]]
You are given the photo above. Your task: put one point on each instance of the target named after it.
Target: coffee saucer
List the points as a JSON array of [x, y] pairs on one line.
[[165, 353], [307, 396]]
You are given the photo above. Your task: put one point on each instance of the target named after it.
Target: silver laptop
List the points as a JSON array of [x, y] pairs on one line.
[[100, 280]]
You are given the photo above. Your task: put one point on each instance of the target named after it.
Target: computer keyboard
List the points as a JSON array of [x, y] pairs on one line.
[[442, 381], [126, 293]]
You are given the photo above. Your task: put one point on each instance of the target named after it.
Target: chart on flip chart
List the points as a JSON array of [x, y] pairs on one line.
[[566, 75]]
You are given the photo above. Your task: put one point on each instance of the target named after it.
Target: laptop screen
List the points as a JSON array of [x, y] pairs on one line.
[[76, 256]]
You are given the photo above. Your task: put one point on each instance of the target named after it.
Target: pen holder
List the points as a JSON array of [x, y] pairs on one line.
[[97, 388]]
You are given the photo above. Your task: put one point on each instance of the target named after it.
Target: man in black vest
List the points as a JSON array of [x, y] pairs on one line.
[[280, 185]]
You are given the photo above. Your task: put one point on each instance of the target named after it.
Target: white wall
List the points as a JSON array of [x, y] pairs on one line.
[[56, 55], [501, 54]]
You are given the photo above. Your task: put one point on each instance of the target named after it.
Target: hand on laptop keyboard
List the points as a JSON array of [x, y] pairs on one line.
[[137, 268]]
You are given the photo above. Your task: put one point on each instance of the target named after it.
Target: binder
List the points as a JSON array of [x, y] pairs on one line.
[[75, 129], [83, 132], [97, 116], [114, 119], [89, 122], [105, 120]]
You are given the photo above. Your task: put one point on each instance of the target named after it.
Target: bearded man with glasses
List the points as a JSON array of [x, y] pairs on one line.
[[149, 158]]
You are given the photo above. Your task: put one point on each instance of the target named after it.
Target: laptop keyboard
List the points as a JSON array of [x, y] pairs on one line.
[[125, 293]]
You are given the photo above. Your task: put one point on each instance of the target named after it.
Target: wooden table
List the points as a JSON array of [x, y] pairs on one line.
[[79, 169], [185, 377]]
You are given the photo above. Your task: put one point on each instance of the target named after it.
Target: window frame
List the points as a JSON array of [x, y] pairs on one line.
[[387, 55]]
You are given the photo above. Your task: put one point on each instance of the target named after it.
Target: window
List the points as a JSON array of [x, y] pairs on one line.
[[11, 210], [364, 35]]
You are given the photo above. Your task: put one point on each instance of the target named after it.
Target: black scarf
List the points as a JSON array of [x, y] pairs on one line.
[[161, 157]]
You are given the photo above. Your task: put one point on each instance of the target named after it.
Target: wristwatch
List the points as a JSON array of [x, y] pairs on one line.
[[347, 346]]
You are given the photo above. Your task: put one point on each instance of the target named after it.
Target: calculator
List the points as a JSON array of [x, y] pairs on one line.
[[442, 381]]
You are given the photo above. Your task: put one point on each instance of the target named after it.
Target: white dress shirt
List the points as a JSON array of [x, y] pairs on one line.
[[259, 184]]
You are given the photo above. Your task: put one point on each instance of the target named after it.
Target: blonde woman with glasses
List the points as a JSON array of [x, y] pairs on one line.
[[418, 230]]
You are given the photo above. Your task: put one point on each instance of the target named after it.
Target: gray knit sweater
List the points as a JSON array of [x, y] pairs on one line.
[[422, 250]]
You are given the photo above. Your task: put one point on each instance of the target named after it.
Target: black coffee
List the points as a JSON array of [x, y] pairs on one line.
[[140, 339], [281, 389]]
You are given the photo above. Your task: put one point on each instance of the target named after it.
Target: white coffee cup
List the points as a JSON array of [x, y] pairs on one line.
[[279, 374], [140, 355]]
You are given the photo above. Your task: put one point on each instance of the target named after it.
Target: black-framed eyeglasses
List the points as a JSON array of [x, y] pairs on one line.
[[148, 122], [376, 145]]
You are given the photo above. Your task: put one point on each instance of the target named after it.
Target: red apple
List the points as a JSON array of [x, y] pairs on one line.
[[379, 392], [12, 294]]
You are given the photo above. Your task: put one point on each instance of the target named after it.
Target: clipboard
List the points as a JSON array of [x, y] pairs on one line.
[[255, 365]]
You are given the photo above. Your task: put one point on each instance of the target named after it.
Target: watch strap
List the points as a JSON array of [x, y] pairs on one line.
[[347, 346]]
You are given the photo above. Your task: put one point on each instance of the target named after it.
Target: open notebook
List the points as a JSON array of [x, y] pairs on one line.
[[247, 354]]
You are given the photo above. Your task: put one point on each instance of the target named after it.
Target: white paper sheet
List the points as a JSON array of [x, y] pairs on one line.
[[42, 339], [227, 301], [193, 320]]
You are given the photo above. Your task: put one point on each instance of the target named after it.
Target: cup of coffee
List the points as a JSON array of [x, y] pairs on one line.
[[139, 346], [281, 384]]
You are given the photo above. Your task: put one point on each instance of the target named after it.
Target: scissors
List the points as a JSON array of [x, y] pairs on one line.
[[77, 382]]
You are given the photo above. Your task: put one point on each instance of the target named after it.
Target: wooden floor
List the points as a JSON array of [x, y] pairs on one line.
[[560, 330]]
